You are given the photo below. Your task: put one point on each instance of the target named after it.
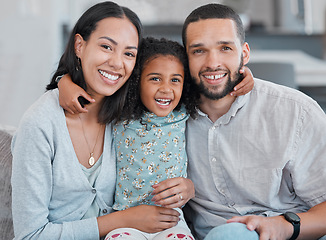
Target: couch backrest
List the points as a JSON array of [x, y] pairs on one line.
[[6, 227]]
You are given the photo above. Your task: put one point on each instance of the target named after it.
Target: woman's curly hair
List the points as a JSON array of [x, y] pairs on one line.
[[149, 49]]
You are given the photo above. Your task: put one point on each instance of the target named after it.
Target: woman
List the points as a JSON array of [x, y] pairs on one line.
[[63, 176]]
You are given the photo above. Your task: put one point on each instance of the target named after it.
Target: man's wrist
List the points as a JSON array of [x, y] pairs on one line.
[[294, 219]]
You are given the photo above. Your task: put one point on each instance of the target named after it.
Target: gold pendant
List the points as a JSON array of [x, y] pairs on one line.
[[91, 160]]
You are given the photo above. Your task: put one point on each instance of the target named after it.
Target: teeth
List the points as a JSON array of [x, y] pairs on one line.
[[214, 77], [163, 102], [108, 76]]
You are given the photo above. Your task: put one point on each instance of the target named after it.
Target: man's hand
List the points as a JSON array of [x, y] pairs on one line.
[[268, 228]]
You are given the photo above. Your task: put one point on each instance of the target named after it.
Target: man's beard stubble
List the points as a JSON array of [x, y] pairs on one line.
[[228, 88]]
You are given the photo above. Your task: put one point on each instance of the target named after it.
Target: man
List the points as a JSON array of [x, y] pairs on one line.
[[255, 157]]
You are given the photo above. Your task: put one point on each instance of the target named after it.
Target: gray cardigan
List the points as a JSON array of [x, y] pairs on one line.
[[49, 189]]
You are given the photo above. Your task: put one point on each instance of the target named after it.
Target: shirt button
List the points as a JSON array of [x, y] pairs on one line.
[[94, 191], [104, 211], [213, 159]]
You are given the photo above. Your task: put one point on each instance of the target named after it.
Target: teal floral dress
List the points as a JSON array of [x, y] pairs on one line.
[[149, 151]]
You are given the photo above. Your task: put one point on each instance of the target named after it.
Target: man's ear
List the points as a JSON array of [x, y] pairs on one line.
[[79, 43], [245, 53]]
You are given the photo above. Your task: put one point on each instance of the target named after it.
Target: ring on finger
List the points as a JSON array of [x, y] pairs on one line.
[[180, 196]]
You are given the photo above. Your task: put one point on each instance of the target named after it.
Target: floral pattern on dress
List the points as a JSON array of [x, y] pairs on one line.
[[149, 151]]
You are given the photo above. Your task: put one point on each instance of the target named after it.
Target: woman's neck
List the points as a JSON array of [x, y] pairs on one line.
[[94, 108]]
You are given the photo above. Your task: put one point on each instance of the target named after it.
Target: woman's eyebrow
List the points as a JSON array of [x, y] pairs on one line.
[[115, 43], [109, 39]]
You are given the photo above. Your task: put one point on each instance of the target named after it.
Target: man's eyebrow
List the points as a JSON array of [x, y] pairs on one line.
[[217, 43], [196, 45], [225, 42], [115, 43]]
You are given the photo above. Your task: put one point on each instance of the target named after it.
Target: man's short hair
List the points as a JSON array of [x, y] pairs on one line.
[[211, 11]]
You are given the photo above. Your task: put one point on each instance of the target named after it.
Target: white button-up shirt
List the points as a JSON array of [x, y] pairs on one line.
[[266, 155]]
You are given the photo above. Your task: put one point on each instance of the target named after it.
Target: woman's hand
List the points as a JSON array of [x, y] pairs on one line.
[[69, 93], [173, 192], [170, 193], [246, 85], [145, 218], [152, 219]]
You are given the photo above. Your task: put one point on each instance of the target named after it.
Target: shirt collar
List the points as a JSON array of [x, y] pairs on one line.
[[235, 107]]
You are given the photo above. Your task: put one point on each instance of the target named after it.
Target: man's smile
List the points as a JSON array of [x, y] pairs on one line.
[[214, 76]]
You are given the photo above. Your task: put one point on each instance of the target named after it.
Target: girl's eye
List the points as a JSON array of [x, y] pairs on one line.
[[175, 80], [155, 79]]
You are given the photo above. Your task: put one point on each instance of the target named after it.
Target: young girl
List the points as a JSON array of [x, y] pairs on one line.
[[150, 142]]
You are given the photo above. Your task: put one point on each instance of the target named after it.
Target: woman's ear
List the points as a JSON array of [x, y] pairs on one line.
[[79, 42]]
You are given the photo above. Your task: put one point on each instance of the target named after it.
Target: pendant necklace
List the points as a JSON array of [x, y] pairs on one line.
[[91, 160]]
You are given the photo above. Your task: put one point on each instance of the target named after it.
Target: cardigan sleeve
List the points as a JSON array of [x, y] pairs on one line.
[[33, 151]]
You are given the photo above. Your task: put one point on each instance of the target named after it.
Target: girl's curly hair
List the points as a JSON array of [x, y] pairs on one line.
[[151, 48]]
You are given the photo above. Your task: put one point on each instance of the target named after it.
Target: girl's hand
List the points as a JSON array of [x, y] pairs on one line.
[[246, 85], [173, 192], [69, 93]]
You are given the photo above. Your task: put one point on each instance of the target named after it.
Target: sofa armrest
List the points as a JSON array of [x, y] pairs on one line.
[[6, 227]]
